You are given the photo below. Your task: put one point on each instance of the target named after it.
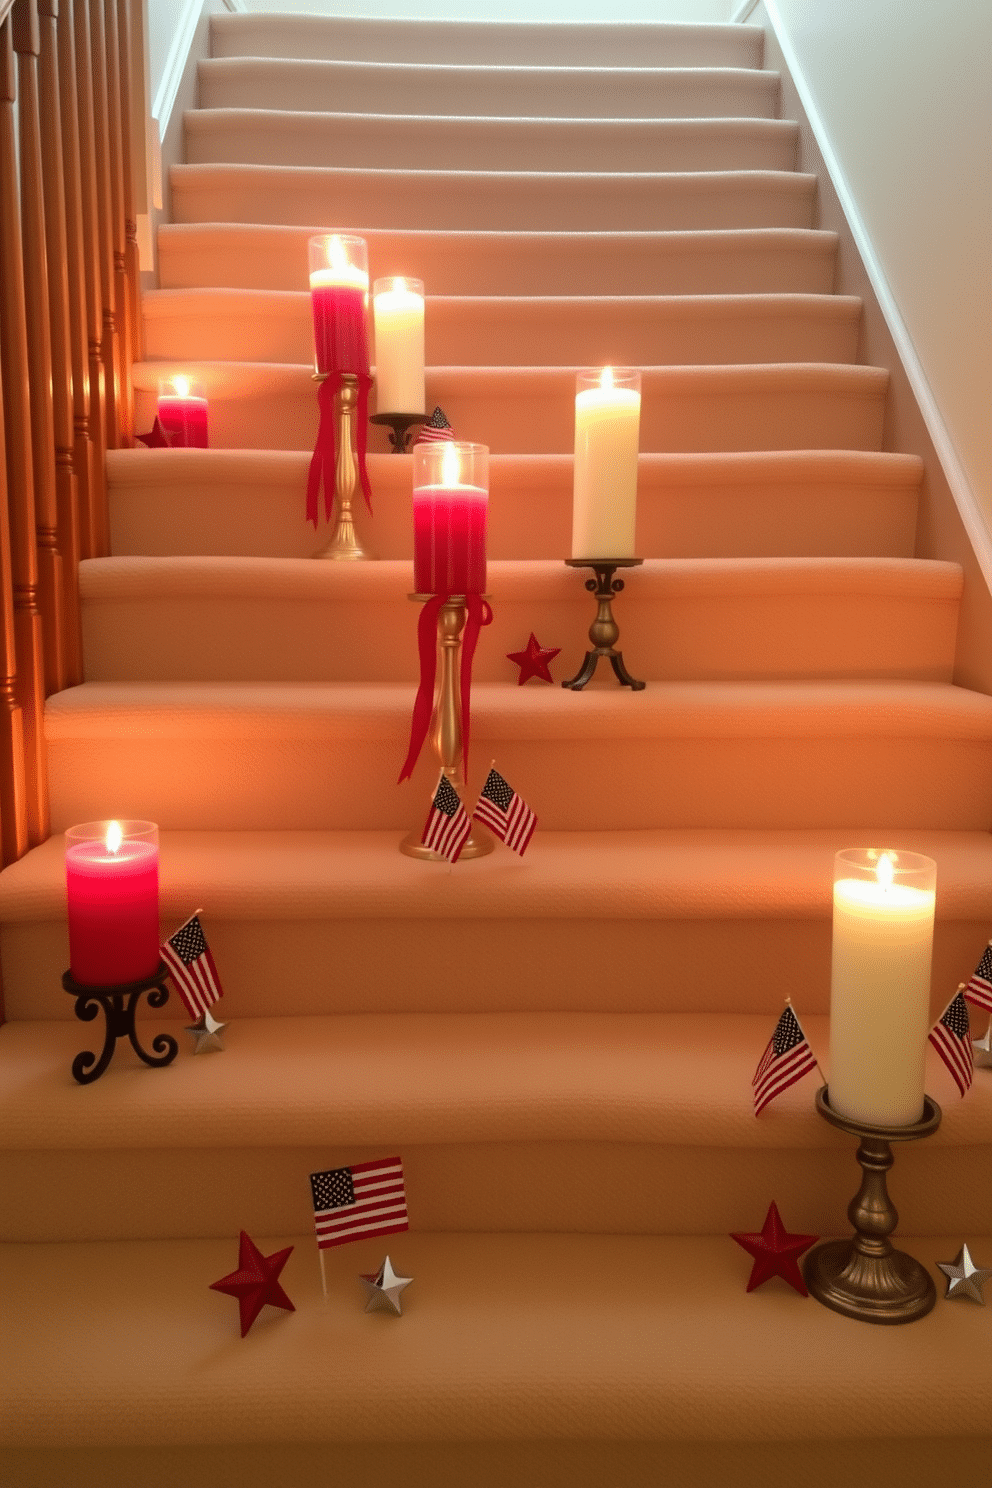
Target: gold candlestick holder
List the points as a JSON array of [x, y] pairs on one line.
[[399, 425], [865, 1277], [344, 544], [604, 632], [445, 735]]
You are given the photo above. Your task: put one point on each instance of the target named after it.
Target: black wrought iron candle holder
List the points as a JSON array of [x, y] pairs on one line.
[[399, 425], [865, 1277], [604, 632], [119, 1003]]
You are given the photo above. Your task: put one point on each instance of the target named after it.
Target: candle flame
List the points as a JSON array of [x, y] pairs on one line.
[[336, 253], [450, 466], [885, 870], [114, 837], [606, 377], [181, 385]]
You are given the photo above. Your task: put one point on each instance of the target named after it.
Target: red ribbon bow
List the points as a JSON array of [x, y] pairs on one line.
[[323, 466], [479, 614]]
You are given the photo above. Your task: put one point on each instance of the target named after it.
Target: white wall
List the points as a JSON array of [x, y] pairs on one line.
[[903, 90], [511, 10]]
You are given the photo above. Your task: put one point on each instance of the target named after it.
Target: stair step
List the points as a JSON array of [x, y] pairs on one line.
[[495, 200], [731, 261], [524, 92], [497, 43], [476, 1104], [394, 142], [531, 410], [277, 326], [227, 619], [631, 1365], [269, 755], [814, 503]]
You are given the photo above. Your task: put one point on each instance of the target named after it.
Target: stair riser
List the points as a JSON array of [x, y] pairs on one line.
[[526, 519], [324, 780], [523, 92], [195, 637], [763, 262], [592, 1188], [247, 137], [317, 964], [530, 334], [536, 415], [487, 202]]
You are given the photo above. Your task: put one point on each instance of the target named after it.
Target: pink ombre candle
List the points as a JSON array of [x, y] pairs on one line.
[[111, 871], [450, 503], [339, 294], [182, 412]]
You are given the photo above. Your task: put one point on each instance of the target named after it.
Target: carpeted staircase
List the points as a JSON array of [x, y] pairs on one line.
[[561, 1048]]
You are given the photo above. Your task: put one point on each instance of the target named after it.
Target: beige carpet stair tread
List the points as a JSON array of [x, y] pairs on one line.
[[462, 262], [569, 92], [543, 43], [821, 503], [495, 200], [277, 326], [792, 405], [618, 1348]]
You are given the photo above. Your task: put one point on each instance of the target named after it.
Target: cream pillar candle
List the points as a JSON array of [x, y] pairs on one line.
[[604, 497], [880, 984], [398, 311]]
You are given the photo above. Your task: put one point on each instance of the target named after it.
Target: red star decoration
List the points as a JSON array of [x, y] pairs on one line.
[[254, 1283], [156, 438], [533, 661], [776, 1252]]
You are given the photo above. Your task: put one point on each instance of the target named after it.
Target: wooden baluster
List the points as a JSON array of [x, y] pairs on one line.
[[13, 792], [66, 494], [110, 350], [27, 45], [88, 478], [90, 249], [125, 40], [20, 468], [119, 133]]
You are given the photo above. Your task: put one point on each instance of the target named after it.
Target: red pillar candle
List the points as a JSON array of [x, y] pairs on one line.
[[182, 411], [450, 502], [339, 294], [111, 871]]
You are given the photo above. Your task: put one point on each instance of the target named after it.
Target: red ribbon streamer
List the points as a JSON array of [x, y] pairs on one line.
[[323, 465], [479, 614]]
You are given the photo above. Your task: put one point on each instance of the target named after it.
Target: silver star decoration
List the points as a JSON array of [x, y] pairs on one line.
[[206, 1033], [964, 1278], [982, 1049], [384, 1288]]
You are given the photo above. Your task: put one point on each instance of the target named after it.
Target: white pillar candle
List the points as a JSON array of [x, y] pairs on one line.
[[398, 310], [880, 984], [604, 498]]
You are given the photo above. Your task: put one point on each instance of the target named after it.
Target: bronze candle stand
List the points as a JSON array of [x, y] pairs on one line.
[[344, 544], [604, 632], [399, 425], [865, 1277], [445, 733], [119, 1003]]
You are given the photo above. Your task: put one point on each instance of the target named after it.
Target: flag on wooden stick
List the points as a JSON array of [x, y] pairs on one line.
[[979, 989], [505, 813], [786, 1059], [448, 826], [191, 967], [951, 1037], [354, 1203]]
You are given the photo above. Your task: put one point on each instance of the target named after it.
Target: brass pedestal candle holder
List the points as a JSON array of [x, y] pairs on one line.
[[399, 425], [445, 733], [604, 632], [866, 1277], [119, 1003], [344, 544]]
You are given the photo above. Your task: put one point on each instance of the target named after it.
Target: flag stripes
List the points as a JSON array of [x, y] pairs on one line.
[[191, 967], [951, 1037], [786, 1059], [505, 813], [448, 826], [979, 988], [352, 1203]]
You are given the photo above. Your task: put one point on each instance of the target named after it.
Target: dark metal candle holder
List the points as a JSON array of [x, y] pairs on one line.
[[604, 632], [866, 1277], [119, 1004], [399, 425]]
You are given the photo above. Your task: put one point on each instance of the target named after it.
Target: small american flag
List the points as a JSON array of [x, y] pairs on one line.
[[448, 826], [436, 428], [353, 1203], [979, 989], [505, 813], [786, 1059], [191, 967], [951, 1037]]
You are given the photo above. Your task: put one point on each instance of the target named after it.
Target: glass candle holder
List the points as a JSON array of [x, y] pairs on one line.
[[607, 432], [182, 412], [450, 505], [111, 870], [398, 316], [339, 295], [880, 984]]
